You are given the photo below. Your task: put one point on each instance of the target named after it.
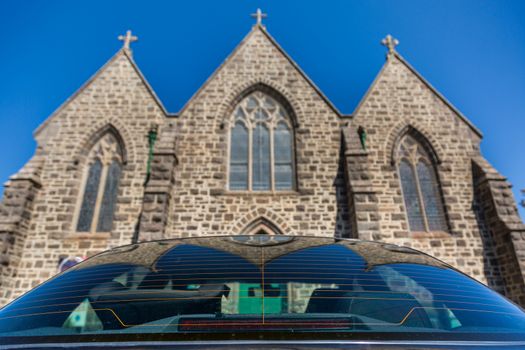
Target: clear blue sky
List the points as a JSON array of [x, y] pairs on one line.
[[471, 51]]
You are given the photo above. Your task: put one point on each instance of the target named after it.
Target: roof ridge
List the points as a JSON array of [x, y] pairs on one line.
[[370, 88], [215, 72], [263, 30], [299, 69], [92, 78], [424, 81], [437, 93], [147, 84]]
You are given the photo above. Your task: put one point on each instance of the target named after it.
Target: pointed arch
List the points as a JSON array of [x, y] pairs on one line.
[[280, 94], [261, 225], [426, 139], [103, 160], [96, 135], [261, 142], [419, 183], [263, 216]]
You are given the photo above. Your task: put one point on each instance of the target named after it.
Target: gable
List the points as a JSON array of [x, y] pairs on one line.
[[259, 59], [121, 59], [397, 73]]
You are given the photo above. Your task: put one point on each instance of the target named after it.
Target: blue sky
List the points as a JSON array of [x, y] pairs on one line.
[[471, 51]]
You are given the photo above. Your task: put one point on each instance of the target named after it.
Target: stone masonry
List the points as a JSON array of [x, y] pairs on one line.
[[346, 185]]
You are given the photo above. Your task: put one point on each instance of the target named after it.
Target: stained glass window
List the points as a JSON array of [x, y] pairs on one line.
[[408, 182], [90, 197], [431, 197], [283, 157], [261, 145], [239, 158], [261, 158], [420, 186], [100, 193], [107, 207]]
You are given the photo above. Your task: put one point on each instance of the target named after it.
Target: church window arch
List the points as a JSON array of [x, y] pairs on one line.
[[261, 145], [420, 186], [262, 226], [100, 186]]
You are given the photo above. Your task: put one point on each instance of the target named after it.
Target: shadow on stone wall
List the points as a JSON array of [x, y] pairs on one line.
[[502, 231], [343, 226], [490, 262]]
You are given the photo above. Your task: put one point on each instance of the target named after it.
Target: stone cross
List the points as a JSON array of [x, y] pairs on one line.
[[390, 42], [259, 15], [127, 39]]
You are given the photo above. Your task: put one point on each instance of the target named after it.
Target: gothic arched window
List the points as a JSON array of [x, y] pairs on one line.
[[261, 145], [420, 187], [104, 167]]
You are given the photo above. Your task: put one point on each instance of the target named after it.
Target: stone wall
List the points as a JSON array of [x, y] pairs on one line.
[[115, 100], [159, 186], [504, 233], [202, 204], [344, 187], [16, 212], [362, 196], [400, 101]]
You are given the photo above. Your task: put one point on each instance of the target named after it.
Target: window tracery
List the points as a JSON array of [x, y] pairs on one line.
[[420, 187], [261, 145], [100, 190]]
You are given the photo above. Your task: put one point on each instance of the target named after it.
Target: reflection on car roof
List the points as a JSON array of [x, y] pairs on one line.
[[373, 253]]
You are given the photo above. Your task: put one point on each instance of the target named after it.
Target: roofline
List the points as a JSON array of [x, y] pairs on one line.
[[147, 84], [215, 72], [93, 77], [425, 82], [127, 53], [438, 94], [303, 74], [370, 88], [274, 42]]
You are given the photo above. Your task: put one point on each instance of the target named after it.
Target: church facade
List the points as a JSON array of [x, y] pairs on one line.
[[259, 149]]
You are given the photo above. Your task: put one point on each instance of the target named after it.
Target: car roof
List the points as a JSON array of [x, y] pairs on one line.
[[148, 254]]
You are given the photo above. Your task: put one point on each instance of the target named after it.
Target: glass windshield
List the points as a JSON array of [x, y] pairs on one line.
[[243, 288]]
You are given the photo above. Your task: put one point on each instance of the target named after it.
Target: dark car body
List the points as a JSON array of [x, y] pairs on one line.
[[262, 292]]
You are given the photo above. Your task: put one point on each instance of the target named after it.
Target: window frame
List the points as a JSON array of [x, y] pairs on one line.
[[417, 154], [113, 195], [419, 197], [272, 123], [107, 153], [248, 165]]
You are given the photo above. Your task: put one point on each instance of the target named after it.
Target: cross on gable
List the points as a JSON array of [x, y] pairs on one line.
[[259, 15], [390, 42], [127, 39]]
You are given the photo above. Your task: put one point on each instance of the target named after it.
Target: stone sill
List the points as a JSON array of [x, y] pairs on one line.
[[258, 193], [354, 153], [429, 234], [87, 235]]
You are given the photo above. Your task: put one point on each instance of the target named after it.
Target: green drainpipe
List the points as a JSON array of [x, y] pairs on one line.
[[362, 136], [152, 137]]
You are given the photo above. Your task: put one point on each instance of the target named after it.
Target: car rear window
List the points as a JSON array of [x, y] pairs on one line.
[[205, 288]]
